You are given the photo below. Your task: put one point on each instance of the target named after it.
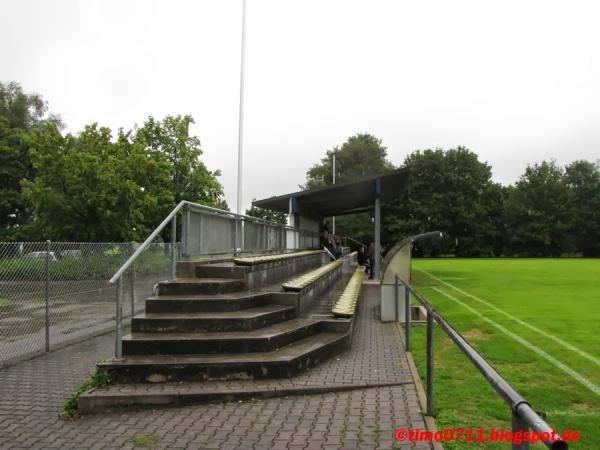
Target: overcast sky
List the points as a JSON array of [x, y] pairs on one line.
[[515, 81]]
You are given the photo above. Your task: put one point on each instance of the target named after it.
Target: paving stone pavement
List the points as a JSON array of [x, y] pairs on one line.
[[32, 394]]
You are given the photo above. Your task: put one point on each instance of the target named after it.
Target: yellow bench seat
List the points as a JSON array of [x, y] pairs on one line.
[[304, 280], [253, 260], [345, 306]]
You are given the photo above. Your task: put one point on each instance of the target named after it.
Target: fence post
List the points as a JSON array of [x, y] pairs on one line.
[[119, 321], [132, 288], [266, 237], [185, 229], [234, 235], [47, 296], [519, 424], [408, 318], [173, 243], [429, 364], [242, 235]]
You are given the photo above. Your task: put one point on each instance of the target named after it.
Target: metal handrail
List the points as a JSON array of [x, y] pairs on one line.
[[172, 218], [171, 215], [119, 273], [355, 241], [524, 417]]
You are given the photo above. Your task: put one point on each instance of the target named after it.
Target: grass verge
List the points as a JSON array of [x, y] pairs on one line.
[[145, 441]]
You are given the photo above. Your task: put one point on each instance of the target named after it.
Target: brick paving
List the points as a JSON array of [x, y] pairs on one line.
[[32, 394]]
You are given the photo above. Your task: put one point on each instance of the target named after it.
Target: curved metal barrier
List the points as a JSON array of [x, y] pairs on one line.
[[398, 261]]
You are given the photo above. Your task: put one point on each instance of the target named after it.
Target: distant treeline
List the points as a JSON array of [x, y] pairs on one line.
[[550, 211], [100, 186]]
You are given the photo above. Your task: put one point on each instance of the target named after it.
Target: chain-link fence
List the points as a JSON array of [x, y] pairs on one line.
[[54, 293]]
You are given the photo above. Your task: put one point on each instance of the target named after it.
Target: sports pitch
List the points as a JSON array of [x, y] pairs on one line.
[[537, 321]]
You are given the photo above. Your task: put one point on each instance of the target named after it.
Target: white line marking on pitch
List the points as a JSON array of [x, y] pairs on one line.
[[520, 322], [581, 379], [573, 413]]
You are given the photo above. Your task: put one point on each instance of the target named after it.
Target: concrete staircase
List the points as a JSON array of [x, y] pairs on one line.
[[211, 327]]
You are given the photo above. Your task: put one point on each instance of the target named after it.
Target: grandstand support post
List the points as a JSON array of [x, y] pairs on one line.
[[47, 296], [407, 318], [396, 297], [333, 218], [173, 243], [519, 425], [377, 262], [429, 411]]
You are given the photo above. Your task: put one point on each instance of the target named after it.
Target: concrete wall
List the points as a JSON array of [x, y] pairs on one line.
[[303, 299], [261, 275], [258, 275]]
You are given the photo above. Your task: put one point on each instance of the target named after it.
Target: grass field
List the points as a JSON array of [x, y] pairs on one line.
[[537, 321]]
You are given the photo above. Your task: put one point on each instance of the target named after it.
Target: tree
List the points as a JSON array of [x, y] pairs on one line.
[[91, 187], [267, 214], [20, 113], [582, 178], [190, 178], [536, 212], [88, 188], [362, 155], [23, 111], [450, 191]]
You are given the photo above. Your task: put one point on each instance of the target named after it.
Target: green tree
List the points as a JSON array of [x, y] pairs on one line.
[[267, 214], [536, 213], [190, 178], [91, 187], [582, 178], [362, 155], [24, 111], [20, 113], [450, 191]]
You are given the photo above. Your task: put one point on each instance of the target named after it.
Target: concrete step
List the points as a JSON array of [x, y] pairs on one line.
[[284, 362], [234, 301], [221, 270], [185, 286], [264, 339], [243, 320]]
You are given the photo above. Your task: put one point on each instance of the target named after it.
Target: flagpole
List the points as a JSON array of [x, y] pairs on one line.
[[241, 118]]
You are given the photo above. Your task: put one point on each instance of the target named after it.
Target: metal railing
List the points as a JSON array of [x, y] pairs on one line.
[[524, 417], [210, 232], [348, 238], [56, 293]]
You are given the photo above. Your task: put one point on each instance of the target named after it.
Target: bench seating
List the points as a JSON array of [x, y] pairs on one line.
[[345, 306], [306, 279], [261, 259]]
